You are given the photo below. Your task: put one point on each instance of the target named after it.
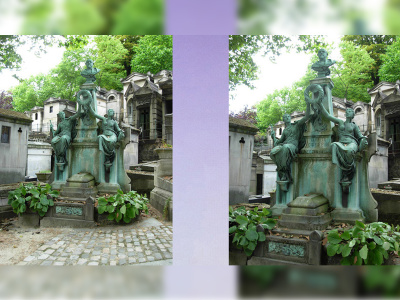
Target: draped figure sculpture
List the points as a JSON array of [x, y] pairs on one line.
[[64, 135], [350, 142], [286, 148], [110, 136]]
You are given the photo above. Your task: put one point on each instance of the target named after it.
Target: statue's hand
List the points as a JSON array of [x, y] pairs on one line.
[[363, 144]]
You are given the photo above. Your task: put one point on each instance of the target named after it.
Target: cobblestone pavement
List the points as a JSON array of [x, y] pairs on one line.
[[106, 246]]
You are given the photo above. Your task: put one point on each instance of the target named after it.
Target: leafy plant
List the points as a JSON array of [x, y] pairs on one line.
[[364, 244], [33, 196], [123, 206], [243, 227]]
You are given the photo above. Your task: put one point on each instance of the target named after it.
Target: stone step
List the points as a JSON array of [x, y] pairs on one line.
[[72, 199], [78, 193]]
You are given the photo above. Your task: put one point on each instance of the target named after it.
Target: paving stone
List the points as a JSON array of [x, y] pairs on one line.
[[29, 258], [59, 263], [43, 256], [46, 263], [93, 263]]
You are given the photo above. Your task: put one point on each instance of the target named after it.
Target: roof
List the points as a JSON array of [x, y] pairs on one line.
[[240, 122], [13, 114]]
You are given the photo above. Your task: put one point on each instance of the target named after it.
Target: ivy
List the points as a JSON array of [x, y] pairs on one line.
[[247, 227], [367, 244], [37, 197], [123, 206]]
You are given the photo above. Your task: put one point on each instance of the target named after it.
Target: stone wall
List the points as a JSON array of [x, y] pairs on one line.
[[146, 150], [13, 155], [39, 158], [131, 152]]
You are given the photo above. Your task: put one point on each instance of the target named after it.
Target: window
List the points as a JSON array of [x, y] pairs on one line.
[[358, 110], [280, 131], [5, 134], [51, 109], [36, 116]]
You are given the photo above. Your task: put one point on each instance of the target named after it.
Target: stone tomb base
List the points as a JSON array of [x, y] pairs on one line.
[[289, 247], [75, 215], [297, 239], [308, 212]]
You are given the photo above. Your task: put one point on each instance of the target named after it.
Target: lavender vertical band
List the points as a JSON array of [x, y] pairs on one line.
[[200, 17], [200, 155]]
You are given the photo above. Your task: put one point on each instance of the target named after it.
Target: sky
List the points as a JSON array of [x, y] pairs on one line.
[[287, 69], [31, 65]]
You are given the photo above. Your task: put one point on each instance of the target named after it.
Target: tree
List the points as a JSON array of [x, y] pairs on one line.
[[6, 100], [110, 54], [242, 48], [376, 46], [152, 54], [389, 70], [352, 76], [129, 42]]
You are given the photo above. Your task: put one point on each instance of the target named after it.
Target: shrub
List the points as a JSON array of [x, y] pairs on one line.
[[243, 227], [123, 206], [364, 244], [35, 196]]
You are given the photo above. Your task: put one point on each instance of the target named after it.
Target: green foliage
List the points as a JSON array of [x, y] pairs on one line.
[[109, 55], [123, 206], [352, 75], [389, 70], [364, 244], [243, 227], [285, 100], [33, 196], [153, 53]]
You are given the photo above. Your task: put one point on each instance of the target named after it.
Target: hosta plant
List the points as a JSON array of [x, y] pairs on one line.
[[33, 196], [368, 244], [243, 227], [123, 206]]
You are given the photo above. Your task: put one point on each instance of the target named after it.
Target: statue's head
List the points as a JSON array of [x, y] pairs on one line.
[[286, 118], [349, 113], [322, 54], [61, 115], [89, 63], [110, 113]]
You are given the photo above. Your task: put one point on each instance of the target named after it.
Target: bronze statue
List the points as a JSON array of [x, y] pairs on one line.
[[110, 136], [350, 142], [286, 148], [90, 72], [64, 135], [322, 66]]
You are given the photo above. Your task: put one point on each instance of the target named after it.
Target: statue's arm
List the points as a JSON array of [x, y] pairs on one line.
[[329, 116], [77, 114], [96, 115], [362, 140]]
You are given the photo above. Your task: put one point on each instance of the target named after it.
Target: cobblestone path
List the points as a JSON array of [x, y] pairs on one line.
[[105, 246]]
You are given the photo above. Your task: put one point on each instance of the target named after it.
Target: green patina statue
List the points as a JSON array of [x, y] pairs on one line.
[[291, 142], [90, 72], [322, 66], [64, 135], [110, 136], [350, 142]]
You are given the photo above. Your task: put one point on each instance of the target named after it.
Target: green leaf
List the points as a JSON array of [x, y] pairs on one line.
[[101, 209], [251, 235], [352, 243], [242, 220], [127, 219], [378, 240], [331, 249], [269, 224], [251, 246], [364, 252], [345, 235], [346, 250], [243, 241], [248, 252], [44, 200], [261, 236], [359, 260], [386, 245], [110, 208], [334, 238], [347, 261], [123, 209], [371, 245], [232, 229], [360, 224], [236, 237], [356, 231], [111, 216]]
